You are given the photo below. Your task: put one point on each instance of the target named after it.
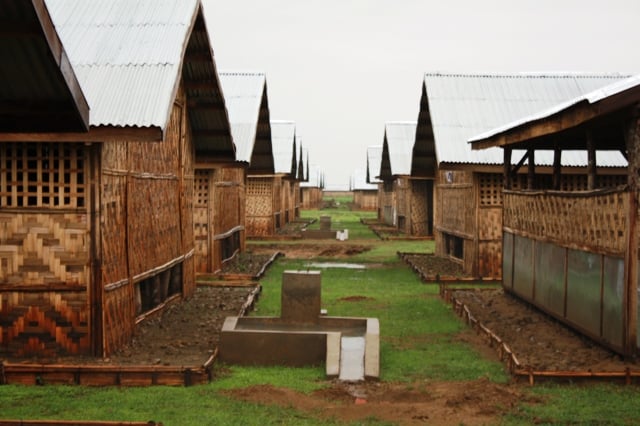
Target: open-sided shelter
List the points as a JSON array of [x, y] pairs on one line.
[[395, 170], [283, 140], [573, 252], [98, 225], [467, 214], [248, 106]]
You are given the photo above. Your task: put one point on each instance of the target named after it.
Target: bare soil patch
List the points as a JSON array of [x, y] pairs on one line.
[[318, 248], [434, 267], [477, 402], [538, 340]]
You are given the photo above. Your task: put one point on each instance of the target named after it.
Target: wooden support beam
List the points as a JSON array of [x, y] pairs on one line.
[[506, 173], [591, 161], [557, 168], [630, 296], [531, 168]]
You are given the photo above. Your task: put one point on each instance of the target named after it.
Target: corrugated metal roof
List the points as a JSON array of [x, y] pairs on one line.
[[374, 159], [245, 95], [127, 55], [461, 106], [399, 137], [39, 92], [314, 177], [283, 140], [359, 181], [590, 97]]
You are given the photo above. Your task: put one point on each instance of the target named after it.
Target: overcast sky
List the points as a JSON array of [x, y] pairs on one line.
[[342, 68]]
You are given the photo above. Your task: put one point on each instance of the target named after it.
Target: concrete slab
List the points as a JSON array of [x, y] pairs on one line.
[[352, 358]]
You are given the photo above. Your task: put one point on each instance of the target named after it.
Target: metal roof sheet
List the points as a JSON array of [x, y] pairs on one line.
[[314, 176], [463, 105], [127, 54], [245, 95], [399, 137], [374, 158], [283, 140], [590, 97], [359, 181]]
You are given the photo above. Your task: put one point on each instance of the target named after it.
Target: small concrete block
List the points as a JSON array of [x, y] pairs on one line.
[[352, 358], [372, 349], [333, 354], [301, 297]]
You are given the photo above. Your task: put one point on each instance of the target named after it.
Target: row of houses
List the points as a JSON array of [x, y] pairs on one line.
[[531, 178], [430, 183], [128, 165]]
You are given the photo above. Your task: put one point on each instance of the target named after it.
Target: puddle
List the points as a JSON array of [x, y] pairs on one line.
[[335, 265]]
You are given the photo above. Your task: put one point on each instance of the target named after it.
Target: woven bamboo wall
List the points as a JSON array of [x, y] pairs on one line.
[[260, 203], [402, 192], [147, 219], [202, 211], [387, 197], [421, 216], [365, 199], [285, 201], [587, 220], [45, 244], [455, 197], [311, 198], [228, 216]]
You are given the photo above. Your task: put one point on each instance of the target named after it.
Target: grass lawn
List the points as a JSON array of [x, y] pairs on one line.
[[418, 343]]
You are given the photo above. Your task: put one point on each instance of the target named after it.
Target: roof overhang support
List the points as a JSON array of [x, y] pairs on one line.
[[557, 168], [591, 161], [531, 169], [631, 253]]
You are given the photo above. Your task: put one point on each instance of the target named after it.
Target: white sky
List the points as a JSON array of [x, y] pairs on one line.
[[342, 68]]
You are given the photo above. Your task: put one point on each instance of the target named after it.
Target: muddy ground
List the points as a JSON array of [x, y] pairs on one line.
[[187, 333]]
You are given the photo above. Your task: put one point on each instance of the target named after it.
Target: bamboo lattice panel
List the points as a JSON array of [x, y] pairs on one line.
[[44, 323], [260, 193], [419, 208], [43, 175], [490, 189], [591, 221]]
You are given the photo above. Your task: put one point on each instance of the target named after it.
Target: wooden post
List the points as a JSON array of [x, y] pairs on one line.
[[591, 161], [630, 297], [557, 168], [506, 169], [531, 169]]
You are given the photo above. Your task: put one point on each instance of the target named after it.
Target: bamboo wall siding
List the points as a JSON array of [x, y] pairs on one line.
[[365, 199], [421, 217], [44, 248], [261, 196], [218, 216], [590, 220], [144, 193], [147, 220]]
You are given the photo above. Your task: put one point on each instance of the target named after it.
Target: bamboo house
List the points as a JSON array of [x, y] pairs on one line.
[[467, 184], [283, 139], [311, 185], [395, 170], [365, 194], [374, 160], [248, 106], [573, 252], [97, 225]]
